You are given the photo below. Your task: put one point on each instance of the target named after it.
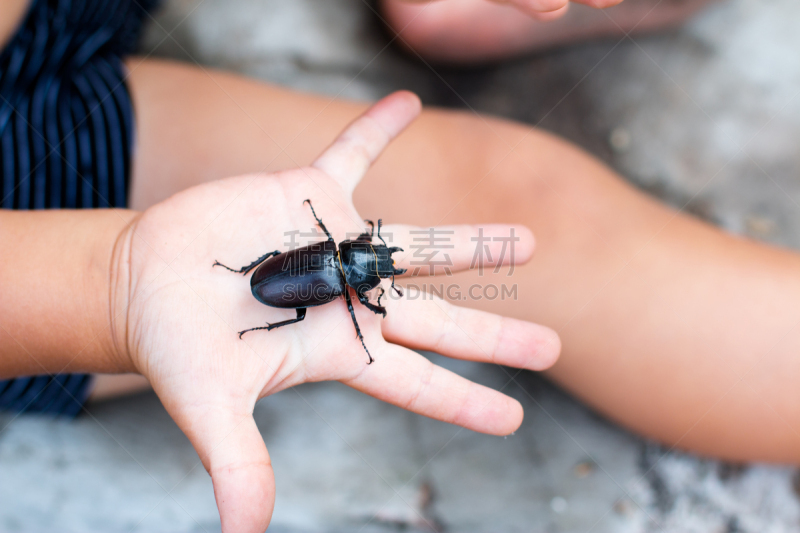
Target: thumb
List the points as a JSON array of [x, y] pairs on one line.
[[360, 144], [233, 452]]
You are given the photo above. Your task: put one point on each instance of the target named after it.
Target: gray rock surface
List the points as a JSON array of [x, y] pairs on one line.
[[714, 117], [707, 118]]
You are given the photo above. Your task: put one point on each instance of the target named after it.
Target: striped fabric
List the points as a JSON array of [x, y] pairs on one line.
[[66, 134]]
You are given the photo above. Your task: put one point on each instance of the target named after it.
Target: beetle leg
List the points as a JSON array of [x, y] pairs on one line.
[[321, 225], [367, 237], [301, 314], [355, 323], [377, 309], [245, 269], [381, 295]]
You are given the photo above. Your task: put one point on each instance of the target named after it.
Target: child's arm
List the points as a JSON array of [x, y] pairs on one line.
[[54, 282]]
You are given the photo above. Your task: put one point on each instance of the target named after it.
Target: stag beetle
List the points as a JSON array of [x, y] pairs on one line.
[[320, 272]]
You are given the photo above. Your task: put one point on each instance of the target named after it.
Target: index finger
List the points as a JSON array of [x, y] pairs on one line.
[[354, 150]]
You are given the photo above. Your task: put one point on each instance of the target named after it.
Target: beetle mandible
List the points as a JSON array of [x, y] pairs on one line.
[[321, 272]]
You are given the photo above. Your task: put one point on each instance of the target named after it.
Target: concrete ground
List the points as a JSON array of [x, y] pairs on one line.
[[707, 118]]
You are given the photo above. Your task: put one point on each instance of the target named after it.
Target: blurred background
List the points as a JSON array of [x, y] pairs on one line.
[[706, 117]]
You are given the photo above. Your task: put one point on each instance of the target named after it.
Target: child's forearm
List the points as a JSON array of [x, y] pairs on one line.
[[55, 278]]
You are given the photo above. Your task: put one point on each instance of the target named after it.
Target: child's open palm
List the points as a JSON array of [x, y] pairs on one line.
[[182, 316]]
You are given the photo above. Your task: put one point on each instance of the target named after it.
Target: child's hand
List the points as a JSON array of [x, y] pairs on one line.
[[183, 316], [553, 9], [546, 9]]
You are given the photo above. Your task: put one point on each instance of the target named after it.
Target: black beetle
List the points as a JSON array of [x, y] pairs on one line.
[[321, 272]]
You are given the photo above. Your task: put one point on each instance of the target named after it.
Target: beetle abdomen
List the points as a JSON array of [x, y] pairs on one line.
[[304, 277], [293, 292]]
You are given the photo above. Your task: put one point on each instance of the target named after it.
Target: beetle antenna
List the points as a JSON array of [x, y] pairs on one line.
[[372, 227], [380, 221], [398, 291]]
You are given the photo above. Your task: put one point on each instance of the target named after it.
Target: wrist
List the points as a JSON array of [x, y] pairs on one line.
[[101, 257], [118, 350]]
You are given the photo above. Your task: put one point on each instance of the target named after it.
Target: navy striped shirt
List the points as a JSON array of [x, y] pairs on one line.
[[66, 134]]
